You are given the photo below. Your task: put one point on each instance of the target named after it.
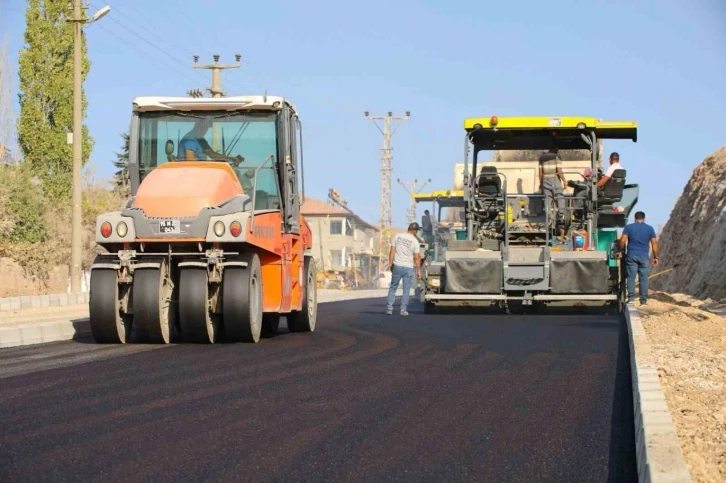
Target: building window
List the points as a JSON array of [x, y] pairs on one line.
[[336, 258], [349, 228], [336, 227]]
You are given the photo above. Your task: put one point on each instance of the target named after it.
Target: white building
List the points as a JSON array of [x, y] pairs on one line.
[[337, 233]]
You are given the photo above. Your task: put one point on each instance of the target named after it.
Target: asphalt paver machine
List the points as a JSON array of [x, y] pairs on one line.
[[211, 245], [445, 227], [522, 249]]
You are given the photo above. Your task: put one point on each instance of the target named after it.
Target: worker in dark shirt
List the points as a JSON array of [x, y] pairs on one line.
[[639, 237], [427, 227], [193, 146]]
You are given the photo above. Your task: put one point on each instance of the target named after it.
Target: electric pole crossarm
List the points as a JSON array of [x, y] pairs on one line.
[[217, 68]]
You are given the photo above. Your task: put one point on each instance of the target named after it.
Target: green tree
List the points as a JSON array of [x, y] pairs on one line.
[[46, 98], [121, 180]]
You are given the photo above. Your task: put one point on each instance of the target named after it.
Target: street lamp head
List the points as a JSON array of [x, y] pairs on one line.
[[408, 113], [390, 114], [366, 114], [100, 13]]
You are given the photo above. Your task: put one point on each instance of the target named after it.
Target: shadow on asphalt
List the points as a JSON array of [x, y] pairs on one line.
[[623, 462]]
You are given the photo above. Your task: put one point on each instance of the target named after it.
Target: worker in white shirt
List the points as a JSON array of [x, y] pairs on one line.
[[404, 264], [614, 164]]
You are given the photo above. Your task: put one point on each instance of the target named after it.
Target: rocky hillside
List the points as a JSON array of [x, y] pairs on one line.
[[694, 239]]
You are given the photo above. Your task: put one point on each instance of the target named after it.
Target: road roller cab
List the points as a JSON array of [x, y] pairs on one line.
[[211, 245]]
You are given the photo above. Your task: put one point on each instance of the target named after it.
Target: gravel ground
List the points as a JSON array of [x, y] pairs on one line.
[[690, 348]]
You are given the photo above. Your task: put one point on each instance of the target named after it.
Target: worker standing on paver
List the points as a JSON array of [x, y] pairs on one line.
[[552, 181], [427, 227], [404, 262], [639, 237]]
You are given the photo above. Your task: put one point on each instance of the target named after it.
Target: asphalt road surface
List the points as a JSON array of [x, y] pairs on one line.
[[367, 397]]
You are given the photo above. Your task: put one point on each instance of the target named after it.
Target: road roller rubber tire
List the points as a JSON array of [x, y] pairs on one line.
[[152, 291], [242, 300], [195, 317], [108, 324], [304, 320]]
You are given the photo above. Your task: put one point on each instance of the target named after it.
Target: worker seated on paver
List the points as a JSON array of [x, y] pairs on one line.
[[614, 165], [193, 146]]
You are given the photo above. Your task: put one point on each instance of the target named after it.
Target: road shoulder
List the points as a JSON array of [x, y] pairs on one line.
[[658, 449]]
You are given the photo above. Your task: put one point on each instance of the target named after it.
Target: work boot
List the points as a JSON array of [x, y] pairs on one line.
[[389, 311]]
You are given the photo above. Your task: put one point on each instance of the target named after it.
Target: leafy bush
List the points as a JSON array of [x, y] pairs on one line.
[[21, 206]]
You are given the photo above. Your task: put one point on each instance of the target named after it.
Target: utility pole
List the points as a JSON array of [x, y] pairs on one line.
[[413, 187], [217, 68], [77, 214], [216, 90], [390, 126]]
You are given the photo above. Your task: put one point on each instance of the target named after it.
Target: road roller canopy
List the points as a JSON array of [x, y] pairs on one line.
[[444, 198], [169, 129], [161, 103], [523, 133]]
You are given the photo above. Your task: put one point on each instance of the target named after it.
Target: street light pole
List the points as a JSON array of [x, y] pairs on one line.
[[77, 221], [77, 214]]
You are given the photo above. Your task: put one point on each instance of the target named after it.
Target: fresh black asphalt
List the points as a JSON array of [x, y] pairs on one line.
[[366, 397]]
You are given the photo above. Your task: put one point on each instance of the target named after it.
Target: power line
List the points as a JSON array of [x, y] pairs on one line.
[[143, 39], [179, 51], [176, 69]]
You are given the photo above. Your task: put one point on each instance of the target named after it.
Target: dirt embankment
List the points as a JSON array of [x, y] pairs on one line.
[[690, 349], [693, 242]]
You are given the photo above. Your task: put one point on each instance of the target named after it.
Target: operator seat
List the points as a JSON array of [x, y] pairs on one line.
[[488, 190], [612, 191], [488, 183]]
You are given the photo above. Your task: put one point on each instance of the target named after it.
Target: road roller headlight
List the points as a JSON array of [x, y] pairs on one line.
[[219, 228], [106, 229], [235, 228], [122, 229]]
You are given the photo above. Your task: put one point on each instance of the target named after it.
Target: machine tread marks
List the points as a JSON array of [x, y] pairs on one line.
[[195, 313], [108, 324], [242, 300], [304, 320], [152, 293]]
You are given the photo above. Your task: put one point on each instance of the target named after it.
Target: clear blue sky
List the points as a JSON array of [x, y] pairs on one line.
[[658, 62]]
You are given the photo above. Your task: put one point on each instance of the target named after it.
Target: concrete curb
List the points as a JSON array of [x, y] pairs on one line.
[[40, 301], [658, 451], [60, 330]]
